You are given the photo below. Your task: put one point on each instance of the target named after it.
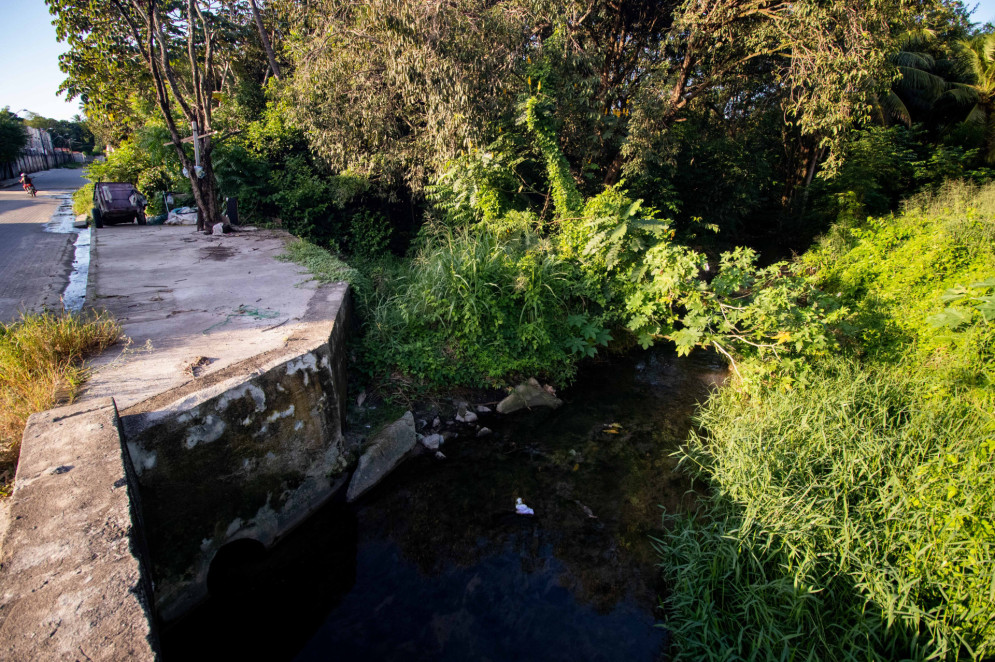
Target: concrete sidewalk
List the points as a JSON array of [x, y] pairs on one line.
[[190, 304]]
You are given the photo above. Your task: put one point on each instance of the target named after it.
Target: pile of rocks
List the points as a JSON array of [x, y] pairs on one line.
[[399, 439]]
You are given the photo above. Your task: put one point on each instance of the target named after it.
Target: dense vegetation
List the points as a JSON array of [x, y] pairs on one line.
[[520, 186], [850, 517], [13, 137]]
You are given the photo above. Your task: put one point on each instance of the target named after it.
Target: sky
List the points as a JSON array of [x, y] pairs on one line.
[[29, 72]]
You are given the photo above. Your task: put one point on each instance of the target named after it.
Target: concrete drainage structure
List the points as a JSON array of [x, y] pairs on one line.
[[245, 452], [75, 582], [249, 454]]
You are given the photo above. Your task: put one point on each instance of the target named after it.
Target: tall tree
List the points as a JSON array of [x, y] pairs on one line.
[[405, 85], [175, 46], [13, 137], [977, 59], [264, 40]]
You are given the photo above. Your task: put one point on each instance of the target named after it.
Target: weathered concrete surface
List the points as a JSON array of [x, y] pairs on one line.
[[192, 305], [249, 454], [382, 455], [231, 392], [72, 583]]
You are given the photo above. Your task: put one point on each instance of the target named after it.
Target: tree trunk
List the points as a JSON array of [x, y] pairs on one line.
[[796, 169], [270, 55], [989, 112]]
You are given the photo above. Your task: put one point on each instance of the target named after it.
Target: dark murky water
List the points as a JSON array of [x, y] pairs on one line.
[[435, 565]]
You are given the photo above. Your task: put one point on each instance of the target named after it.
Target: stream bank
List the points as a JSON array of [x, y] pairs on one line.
[[434, 563]]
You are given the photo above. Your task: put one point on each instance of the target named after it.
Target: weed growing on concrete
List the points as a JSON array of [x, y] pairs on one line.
[[323, 266], [41, 366], [83, 199]]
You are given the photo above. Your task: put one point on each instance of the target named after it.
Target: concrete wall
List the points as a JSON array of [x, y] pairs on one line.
[[74, 581], [105, 506], [248, 456]]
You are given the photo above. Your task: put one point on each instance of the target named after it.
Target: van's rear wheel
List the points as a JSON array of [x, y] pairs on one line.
[[98, 218], [140, 216]]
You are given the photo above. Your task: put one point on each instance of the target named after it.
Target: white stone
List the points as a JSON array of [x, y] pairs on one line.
[[433, 441]]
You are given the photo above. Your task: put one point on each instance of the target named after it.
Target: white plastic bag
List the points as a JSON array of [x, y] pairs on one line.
[[522, 509]]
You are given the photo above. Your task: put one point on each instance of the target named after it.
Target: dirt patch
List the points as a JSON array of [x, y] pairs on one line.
[[218, 253]]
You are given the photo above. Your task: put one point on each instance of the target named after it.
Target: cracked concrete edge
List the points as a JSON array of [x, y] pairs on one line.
[[73, 568], [329, 305]]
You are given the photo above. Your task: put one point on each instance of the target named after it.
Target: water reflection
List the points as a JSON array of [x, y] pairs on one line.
[[443, 569], [509, 605]]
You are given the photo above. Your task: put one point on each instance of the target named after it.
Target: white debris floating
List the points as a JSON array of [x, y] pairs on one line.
[[522, 509]]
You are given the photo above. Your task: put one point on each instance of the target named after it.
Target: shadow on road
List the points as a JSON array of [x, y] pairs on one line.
[[7, 204]]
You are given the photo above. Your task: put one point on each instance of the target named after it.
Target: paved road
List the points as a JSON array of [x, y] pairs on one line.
[[34, 264]]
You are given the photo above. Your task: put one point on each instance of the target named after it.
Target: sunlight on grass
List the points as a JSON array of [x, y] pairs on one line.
[[41, 366], [321, 264]]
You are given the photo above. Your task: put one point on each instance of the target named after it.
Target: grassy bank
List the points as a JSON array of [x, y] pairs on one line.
[[851, 516], [41, 366]]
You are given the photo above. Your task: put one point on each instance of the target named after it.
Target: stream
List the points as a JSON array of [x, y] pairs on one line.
[[434, 564]]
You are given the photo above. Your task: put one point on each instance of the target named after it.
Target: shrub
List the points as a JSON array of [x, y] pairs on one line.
[[369, 234], [495, 293]]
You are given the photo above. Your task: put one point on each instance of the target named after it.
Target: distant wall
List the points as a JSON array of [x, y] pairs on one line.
[[38, 154]]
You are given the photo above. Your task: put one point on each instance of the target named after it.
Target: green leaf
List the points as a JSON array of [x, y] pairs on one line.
[[954, 294], [651, 225], [987, 309], [951, 318], [576, 320], [685, 339]]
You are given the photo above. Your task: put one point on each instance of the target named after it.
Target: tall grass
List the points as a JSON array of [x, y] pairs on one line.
[[849, 520], [475, 308], [41, 366], [853, 516]]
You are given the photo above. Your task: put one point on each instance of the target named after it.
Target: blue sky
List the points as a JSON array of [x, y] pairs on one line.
[[29, 71], [985, 12]]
